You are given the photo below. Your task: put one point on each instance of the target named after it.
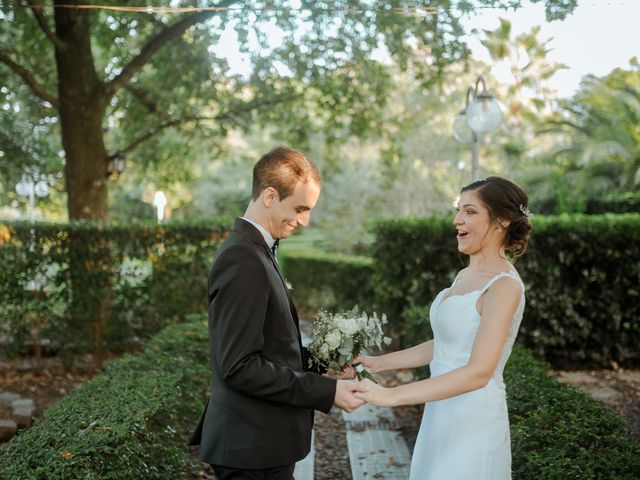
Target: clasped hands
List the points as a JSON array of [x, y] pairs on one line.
[[350, 393]]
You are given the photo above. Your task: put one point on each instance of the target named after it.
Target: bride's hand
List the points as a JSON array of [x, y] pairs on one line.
[[376, 394], [371, 364]]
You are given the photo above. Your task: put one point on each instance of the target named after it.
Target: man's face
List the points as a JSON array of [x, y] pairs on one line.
[[294, 211]]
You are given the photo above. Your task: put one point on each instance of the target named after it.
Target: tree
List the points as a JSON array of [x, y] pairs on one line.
[[528, 99], [117, 81], [600, 148]]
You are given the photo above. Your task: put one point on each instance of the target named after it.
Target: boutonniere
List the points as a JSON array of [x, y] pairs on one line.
[[289, 287]]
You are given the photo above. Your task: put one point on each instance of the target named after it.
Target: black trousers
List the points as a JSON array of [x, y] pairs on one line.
[[276, 473]]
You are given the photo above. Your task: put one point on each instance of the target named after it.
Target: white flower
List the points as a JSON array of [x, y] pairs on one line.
[[348, 326], [339, 337], [333, 339]]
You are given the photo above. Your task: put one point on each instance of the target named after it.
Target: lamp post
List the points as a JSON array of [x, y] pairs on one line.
[[480, 115], [160, 201], [28, 187]]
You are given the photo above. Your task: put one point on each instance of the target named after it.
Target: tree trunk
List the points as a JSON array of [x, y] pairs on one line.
[[82, 106]]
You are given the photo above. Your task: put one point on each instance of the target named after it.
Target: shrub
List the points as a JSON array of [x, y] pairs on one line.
[[328, 281], [85, 283], [132, 421], [416, 326], [581, 273], [559, 432], [615, 203]]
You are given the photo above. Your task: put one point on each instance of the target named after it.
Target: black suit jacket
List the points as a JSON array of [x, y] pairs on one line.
[[260, 413]]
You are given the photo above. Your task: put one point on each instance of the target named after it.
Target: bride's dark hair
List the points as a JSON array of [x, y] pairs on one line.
[[506, 201]]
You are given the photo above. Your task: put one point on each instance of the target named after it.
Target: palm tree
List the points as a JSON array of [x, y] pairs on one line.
[[600, 150]]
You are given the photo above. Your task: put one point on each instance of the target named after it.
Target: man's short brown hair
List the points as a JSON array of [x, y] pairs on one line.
[[282, 168]]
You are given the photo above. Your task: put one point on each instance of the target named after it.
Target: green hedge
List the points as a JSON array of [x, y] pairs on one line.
[[559, 432], [615, 203], [581, 273], [142, 410], [327, 280], [75, 283]]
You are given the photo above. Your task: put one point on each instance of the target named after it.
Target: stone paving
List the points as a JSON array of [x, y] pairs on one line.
[[304, 468], [376, 448], [595, 386], [20, 414]]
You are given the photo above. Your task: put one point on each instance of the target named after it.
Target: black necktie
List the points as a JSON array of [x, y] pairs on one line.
[[274, 247]]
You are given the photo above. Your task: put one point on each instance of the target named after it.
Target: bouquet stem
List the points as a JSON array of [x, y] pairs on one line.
[[362, 373]]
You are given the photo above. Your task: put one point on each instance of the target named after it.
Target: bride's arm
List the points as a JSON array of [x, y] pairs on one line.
[[499, 304], [413, 357]]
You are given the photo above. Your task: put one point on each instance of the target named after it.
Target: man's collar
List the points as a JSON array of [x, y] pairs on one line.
[[266, 235]]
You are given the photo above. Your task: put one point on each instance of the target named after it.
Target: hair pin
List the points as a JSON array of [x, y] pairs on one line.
[[524, 210]]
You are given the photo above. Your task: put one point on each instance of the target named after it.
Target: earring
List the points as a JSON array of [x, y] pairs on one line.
[[500, 229]]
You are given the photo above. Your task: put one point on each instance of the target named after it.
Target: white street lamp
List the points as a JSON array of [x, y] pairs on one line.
[[160, 201], [480, 115], [28, 187]]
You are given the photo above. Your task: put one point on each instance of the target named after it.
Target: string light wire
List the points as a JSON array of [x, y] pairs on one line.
[[412, 11]]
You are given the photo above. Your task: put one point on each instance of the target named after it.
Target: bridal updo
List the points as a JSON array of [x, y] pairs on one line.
[[506, 201]]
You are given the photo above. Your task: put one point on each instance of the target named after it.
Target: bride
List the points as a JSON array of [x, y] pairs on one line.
[[464, 432]]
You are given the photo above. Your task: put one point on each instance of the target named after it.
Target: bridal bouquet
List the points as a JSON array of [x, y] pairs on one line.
[[340, 337]]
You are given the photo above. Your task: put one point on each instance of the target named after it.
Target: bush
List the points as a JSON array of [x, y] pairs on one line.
[[109, 285], [415, 259], [132, 421], [615, 203], [581, 273], [328, 281], [416, 325], [559, 432]]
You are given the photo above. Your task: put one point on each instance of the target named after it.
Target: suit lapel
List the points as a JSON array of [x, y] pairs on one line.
[[292, 306], [246, 229]]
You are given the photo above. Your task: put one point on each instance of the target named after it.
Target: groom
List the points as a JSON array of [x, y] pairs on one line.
[[258, 420]]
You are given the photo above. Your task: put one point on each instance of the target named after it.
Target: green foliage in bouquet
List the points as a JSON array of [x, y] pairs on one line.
[[340, 337]]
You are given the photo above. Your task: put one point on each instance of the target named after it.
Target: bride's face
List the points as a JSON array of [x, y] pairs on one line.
[[476, 231]]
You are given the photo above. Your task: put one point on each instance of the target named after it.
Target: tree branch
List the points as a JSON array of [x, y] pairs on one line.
[[145, 101], [157, 130], [36, 87], [156, 43], [221, 117], [37, 12]]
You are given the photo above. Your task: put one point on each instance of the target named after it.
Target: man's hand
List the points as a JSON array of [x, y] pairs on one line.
[[345, 398], [347, 373]]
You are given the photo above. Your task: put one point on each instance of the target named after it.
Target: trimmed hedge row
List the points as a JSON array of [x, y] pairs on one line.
[[132, 421], [581, 273], [615, 203], [85, 285], [328, 281], [559, 432]]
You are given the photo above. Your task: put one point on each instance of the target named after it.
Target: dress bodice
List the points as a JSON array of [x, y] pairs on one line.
[[455, 321]]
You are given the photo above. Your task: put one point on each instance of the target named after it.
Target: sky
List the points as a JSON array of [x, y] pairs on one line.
[[597, 37]]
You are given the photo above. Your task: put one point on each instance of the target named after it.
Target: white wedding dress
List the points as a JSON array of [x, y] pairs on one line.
[[465, 437]]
